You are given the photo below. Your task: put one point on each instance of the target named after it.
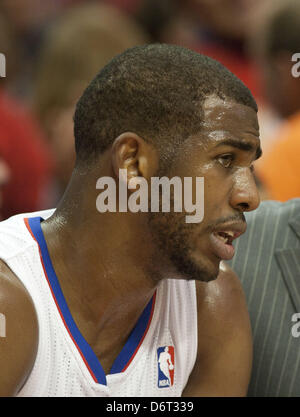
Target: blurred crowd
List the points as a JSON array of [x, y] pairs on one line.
[[53, 48]]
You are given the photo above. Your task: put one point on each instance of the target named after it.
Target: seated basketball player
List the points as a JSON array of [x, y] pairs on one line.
[[90, 299]]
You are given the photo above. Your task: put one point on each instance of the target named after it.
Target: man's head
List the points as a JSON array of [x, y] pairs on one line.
[[162, 110], [156, 91]]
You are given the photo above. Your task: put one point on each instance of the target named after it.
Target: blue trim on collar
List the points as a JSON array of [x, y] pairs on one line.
[[87, 353]]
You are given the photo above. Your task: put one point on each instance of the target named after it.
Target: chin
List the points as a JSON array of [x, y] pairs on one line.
[[203, 270], [208, 276]]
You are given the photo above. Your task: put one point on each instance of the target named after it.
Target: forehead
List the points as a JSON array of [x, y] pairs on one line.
[[227, 116]]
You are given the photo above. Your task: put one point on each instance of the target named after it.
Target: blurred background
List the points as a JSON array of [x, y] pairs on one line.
[[53, 49]]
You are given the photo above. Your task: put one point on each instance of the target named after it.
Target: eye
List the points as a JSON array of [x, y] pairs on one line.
[[226, 160]]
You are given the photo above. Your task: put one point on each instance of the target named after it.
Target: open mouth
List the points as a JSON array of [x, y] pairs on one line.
[[226, 237], [221, 242]]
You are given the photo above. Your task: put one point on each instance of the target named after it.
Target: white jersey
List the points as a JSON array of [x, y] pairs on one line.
[[157, 358]]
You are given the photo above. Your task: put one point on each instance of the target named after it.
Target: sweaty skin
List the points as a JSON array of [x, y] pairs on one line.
[[18, 349], [224, 339], [107, 263]]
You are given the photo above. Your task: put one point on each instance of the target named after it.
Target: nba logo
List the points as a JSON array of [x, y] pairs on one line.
[[166, 366]]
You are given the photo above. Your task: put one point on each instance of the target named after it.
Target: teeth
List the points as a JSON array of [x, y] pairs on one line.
[[223, 238]]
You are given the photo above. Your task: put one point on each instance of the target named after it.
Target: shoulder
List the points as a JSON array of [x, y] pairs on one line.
[[221, 307], [224, 338], [19, 332]]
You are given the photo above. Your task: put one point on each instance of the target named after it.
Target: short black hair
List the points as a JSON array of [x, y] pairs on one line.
[[155, 91]]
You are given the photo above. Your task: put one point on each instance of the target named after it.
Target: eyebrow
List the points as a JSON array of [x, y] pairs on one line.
[[243, 145]]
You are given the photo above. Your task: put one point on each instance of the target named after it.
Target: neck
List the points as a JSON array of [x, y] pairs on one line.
[[104, 263]]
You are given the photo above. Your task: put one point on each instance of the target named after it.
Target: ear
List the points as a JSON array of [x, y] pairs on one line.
[[131, 152]]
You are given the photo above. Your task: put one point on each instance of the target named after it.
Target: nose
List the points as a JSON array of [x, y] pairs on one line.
[[244, 194]]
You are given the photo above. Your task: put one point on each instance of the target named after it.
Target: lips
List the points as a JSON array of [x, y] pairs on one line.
[[221, 239]]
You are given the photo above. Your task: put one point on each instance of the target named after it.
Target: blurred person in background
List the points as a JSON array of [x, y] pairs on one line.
[[24, 151], [80, 43], [8, 49], [25, 159], [277, 40], [28, 21]]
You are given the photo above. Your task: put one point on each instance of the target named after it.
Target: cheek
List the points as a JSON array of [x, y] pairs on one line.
[[217, 186], [173, 231]]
